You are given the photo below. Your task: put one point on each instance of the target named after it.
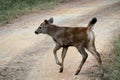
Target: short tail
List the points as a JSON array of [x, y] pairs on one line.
[[91, 23]]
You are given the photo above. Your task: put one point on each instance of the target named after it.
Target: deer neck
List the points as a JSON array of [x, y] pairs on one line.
[[52, 29]]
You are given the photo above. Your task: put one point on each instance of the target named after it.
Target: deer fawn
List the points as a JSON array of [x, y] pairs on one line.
[[80, 37]]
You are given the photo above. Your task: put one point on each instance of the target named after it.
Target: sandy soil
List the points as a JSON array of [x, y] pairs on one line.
[[26, 56]]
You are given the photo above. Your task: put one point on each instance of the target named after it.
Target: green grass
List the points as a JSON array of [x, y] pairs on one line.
[[113, 68], [10, 9]]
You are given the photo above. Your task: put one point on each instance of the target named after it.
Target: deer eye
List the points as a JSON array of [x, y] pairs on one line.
[[39, 27]]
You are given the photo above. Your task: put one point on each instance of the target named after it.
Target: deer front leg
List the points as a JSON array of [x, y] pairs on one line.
[[57, 47], [63, 57]]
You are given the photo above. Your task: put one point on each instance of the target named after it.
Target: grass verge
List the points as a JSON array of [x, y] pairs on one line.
[[113, 65], [10, 9]]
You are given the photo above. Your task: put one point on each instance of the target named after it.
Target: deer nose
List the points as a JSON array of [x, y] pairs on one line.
[[36, 32]]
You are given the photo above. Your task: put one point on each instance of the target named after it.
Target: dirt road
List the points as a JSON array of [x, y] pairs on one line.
[[26, 56]]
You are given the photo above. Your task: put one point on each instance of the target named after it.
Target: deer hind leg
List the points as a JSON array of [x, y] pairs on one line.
[[57, 47], [63, 57], [92, 49], [84, 57], [91, 46]]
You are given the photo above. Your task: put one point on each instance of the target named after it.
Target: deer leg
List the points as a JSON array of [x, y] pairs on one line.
[[63, 57], [95, 53], [84, 57], [57, 47], [92, 49]]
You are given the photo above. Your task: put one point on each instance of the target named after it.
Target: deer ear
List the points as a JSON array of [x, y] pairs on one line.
[[51, 20], [46, 21]]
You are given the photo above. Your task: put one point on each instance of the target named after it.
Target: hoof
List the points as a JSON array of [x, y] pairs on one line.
[[76, 73], [61, 70], [95, 66]]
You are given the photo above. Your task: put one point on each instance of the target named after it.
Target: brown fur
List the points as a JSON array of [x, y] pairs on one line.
[[80, 37]]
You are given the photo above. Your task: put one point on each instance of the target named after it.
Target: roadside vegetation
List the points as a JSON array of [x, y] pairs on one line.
[[113, 65], [10, 9]]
